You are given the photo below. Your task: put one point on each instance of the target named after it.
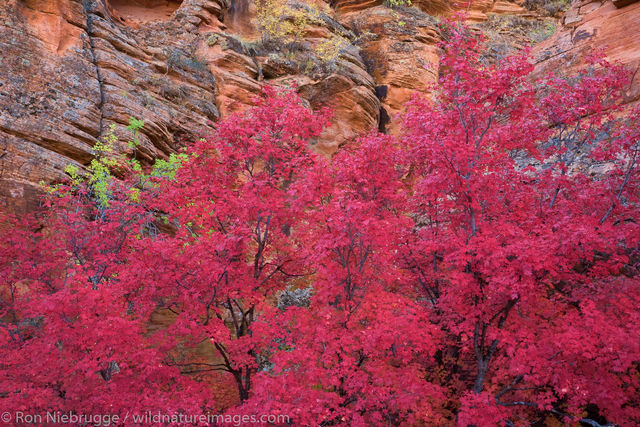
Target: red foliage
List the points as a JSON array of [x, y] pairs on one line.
[[518, 247], [479, 269], [73, 333]]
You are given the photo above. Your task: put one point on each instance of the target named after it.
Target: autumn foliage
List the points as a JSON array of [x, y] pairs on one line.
[[480, 269]]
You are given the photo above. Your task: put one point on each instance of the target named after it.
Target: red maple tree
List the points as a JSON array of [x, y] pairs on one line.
[[521, 243], [478, 269]]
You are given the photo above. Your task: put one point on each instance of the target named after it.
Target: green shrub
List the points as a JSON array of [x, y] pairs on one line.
[[548, 7]]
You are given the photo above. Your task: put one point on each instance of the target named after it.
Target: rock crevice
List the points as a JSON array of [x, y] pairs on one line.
[[87, 10]]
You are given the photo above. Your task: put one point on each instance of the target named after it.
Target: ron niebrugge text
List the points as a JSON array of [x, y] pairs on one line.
[[105, 420], [57, 417]]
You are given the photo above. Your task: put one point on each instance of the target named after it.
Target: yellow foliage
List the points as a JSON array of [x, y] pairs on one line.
[[395, 3], [282, 21], [329, 50], [286, 22]]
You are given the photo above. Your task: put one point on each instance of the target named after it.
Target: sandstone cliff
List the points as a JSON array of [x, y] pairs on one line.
[[611, 25], [73, 69]]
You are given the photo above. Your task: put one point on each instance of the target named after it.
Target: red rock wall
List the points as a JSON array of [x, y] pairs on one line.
[[71, 69], [613, 26]]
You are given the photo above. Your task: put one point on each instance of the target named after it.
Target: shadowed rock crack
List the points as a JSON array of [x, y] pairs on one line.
[[87, 7]]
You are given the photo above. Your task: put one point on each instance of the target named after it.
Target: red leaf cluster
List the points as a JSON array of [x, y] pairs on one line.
[[479, 269]]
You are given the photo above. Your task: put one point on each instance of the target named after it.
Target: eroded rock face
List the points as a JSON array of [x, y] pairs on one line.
[[401, 54], [480, 10], [49, 95], [244, 61], [73, 70], [588, 25], [70, 71], [139, 12]]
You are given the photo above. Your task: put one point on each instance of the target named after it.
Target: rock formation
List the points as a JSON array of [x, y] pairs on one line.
[[613, 26], [74, 70], [71, 69]]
